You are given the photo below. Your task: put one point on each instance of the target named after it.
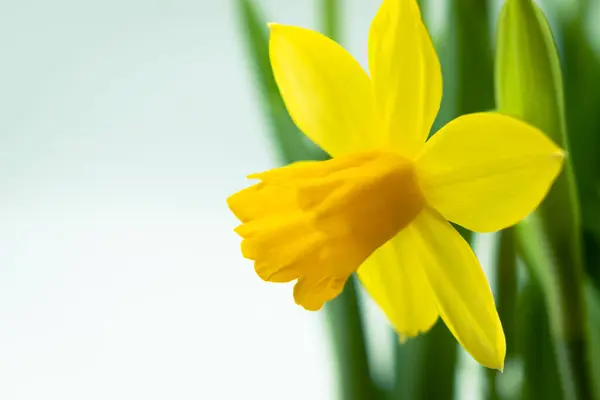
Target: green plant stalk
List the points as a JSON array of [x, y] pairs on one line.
[[507, 285], [540, 374], [593, 296], [475, 57], [330, 18], [415, 370], [529, 87], [342, 313], [409, 360], [552, 378], [506, 298], [347, 338], [440, 346], [582, 72]]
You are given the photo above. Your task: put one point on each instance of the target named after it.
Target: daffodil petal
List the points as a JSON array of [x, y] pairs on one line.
[[406, 75], [327, 93], [394, 279], [464, 298], [487, 171]]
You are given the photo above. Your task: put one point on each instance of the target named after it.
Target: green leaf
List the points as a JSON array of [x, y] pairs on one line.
[[347, 338], [330, 16], [531, 248], [593, 297], [474, 56], [582, 72], [540, 373], [425, 359], [506, 299], [529, 87]]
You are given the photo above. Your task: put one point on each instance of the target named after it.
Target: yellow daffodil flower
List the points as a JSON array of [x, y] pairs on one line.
[[380, 207]]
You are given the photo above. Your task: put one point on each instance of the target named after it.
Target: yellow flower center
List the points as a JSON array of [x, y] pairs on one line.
[[319, 221]]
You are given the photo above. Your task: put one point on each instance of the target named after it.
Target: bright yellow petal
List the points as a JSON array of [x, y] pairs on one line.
[[406, 75], [463, 295], [326, 92], [487, 171], [393, 277]]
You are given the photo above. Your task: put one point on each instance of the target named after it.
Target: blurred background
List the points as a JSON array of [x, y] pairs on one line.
[[124, 125]]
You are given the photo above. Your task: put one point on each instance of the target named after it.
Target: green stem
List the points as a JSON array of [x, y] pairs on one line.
[[507, 284], [506, 294], [330, 18], [559, 215], [582, 71], [541, 379], [347, 338], [423, 360], [533, 250], [474, 58]]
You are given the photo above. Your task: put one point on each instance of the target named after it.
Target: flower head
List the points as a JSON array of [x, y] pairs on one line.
[[380, 207]]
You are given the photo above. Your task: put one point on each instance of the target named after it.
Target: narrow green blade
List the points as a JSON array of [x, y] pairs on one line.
[[474, 56], [582, 91], [529, 87], [593, 297], [330, 16], [540, 372], [426, 359], [506, 299], [347, 338]]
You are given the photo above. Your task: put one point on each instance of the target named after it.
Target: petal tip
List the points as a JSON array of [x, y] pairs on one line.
[[497, 365], [500, 365], [500, 368], [231, 203], [235, 203], [240, 229], [307, 305], [312, 308]]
